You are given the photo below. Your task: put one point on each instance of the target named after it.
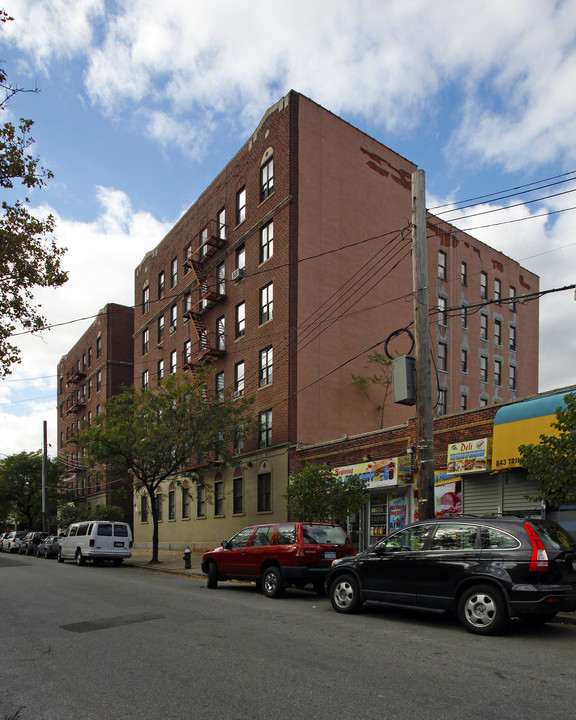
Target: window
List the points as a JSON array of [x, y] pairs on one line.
[[98, 346], [239, 439], [266, 366], [201, 501], [240, 320], [264, 492], [144, 509], [145, 380], [464, 360], [99, 380], [463, 402], [512, 338], [463, 273], [265, 419], [464, 317], [90, 387], [483, 285], [221, 278], [483, 369], [412, 538], [221, 333], [266, 303], [483, 401], [497, 290], [239, 378], [89, 356], [204, 242], [173, 318], [219, 498], [160, 372], [455, 537], [483, 326], [187, 351], [171, 505], [145, 300], [267, 179], [240, 205], [238, 496], [241, 258], [187, 258], [442, 357], [185, 503], [174, 272], [219, 381], [498, 373], [498, 332], [173, 362], [221, 223], [159, 506], [160, 329], [441, 409], [161, 284], [512, 378], [512, 294], [187, 305], [267, 242], [442, 311], [441, 265]]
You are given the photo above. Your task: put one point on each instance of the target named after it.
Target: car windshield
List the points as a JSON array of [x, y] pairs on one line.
[[553, 535], [324, 534]]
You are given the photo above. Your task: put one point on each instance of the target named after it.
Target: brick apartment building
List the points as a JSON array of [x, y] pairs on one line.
[[92, 371], [289, 269]]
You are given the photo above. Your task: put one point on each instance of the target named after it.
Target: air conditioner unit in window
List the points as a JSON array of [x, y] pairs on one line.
[[238, 273], [238, 393]]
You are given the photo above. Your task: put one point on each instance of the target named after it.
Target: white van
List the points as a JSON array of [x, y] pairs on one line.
[[96, 540]]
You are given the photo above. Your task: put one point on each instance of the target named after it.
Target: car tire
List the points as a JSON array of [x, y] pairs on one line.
[[482, 610], [79, 559], [272, 583], [345, 594], [212, 573], [60, 558]]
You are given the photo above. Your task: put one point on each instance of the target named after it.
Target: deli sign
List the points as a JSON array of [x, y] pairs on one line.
[[470, 456]]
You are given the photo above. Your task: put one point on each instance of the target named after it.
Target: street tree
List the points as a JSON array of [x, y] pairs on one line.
[[21, 489], [29, 255], [78, 510], [318, 494], [377, 387], [164, 433], [552, 461]]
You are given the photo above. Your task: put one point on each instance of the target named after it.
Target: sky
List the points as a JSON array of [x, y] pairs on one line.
[[140, 105]]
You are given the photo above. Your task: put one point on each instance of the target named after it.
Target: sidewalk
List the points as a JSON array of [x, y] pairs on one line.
[[169, 561]]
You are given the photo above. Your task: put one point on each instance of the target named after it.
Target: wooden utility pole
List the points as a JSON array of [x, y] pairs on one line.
[[424, 404], [44, 475]]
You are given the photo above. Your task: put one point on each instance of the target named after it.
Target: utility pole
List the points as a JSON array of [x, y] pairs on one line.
[[424, 405], [44, 474]]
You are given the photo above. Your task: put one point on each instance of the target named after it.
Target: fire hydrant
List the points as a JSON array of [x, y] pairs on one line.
[[187, 558]]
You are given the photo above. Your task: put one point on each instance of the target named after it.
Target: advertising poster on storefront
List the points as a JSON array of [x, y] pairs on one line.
[[470, 456], [447, 494], [397, 512], [380, 473]]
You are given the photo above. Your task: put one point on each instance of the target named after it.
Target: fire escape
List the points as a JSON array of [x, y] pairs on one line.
[[75, 402], [209, 345]]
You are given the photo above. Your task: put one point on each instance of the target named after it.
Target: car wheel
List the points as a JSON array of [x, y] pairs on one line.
[[79, 558], [272, 584], [212, 576], [345, 594], [482, 610], [60, 558]]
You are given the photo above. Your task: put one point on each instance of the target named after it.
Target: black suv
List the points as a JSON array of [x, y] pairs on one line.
[[488, 570]]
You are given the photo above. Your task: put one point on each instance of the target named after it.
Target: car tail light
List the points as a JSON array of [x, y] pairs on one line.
[[300, 552], [92, 542], [539, 558], [130, 544]]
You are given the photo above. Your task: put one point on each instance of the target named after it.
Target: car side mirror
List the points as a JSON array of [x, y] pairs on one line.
[[225, 544]]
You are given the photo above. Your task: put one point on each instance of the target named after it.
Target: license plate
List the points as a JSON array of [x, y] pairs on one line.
[[330, 555], [118, 544]]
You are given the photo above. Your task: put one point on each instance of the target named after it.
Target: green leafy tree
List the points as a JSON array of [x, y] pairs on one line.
[[79, 511], [552, 462], [163, 433], [29, 256], [21, 488], [317, 494], [377, 387]]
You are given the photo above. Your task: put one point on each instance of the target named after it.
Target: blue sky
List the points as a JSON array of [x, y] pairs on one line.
[[141, 105]]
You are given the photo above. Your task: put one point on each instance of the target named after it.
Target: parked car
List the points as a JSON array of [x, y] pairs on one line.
[[2, 536], [277, 555], [11, 542], [49, 547], [487, 570], [29, 543], [96, 540]]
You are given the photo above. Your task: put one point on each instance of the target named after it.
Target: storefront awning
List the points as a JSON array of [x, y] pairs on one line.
[[522, 423]]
